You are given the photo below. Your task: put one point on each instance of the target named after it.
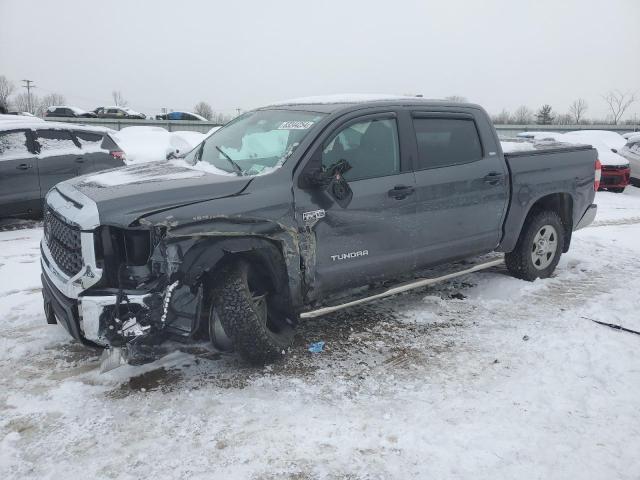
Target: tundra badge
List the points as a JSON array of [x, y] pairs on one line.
[[344, 256]]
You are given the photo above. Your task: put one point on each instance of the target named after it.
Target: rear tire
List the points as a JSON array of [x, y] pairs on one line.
[[616, 190], [242, 303], [539, 247]]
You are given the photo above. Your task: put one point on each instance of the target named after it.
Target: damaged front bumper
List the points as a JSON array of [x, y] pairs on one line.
[[123, 322]]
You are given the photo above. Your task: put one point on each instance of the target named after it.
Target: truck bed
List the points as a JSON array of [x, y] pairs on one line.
[[548, 170]]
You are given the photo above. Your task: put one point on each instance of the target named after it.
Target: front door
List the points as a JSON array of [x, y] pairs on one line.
[[19, 187], [365, 237], [59, 158]]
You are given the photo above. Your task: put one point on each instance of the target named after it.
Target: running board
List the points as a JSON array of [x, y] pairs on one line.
[[401, 288]]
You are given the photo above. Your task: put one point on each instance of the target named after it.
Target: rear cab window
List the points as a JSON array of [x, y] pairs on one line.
[[14, 145], [444, 141], [56, 142]]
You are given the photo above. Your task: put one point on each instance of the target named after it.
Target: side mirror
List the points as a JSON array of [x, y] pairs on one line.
[[321, 177], [172, 153], [317, 177]]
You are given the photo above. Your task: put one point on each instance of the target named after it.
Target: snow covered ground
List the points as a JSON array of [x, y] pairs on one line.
[[484, 377]]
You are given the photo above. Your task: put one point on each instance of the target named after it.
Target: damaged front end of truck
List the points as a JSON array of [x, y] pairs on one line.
[[128, 289]]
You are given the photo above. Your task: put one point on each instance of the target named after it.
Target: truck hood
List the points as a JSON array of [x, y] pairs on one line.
[[125, 194]]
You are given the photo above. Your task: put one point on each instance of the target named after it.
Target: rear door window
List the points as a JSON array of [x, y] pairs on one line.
[[56, 142], [14, 145], [88, 140], [446, 141]]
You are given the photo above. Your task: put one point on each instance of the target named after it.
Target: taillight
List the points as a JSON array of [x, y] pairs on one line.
[[118, 155], [596, 184]]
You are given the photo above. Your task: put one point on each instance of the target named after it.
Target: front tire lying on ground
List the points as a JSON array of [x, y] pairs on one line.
[[539, 247], [241, 300]]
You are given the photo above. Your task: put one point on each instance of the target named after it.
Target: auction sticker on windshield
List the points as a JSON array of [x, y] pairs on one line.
[[295, 125]]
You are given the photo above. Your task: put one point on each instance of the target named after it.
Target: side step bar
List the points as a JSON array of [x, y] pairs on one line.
[[401, 288]]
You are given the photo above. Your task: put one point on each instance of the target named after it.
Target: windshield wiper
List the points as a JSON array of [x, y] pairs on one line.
[[235, 166]]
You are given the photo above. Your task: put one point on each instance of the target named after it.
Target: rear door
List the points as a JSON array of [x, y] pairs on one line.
[[369, 237], [59, 158], [19, 186], [92, 152], [462, 191]]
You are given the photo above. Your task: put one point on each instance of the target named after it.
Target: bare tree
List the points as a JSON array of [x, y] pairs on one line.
[[523, 116], [456, 99], [503, 118], [118, 99], [618, 103], [563, 119], [47, 101], [577, 110], [204, 109], [6, 89], [21, 103]]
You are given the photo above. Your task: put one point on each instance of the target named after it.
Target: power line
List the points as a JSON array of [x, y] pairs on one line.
[[28, 86]]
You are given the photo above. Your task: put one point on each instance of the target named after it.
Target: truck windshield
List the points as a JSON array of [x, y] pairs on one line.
[[255, 143]]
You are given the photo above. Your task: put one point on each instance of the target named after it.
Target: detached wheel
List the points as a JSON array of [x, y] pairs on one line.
[[241, 302], [539, 247]]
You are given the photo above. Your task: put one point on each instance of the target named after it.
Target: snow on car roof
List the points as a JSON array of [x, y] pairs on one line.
[[37, 123], [611, 139], [126, 109], [19, 118], [343, 98], [76, 110]]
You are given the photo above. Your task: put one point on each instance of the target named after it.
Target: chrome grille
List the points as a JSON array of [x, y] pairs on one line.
[[64, 243]]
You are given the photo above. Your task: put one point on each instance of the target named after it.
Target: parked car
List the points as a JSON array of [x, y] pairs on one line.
[[68, 111], [181, 116], [631, 151], [288, 211], [23, 114], [118, 112], [616, 171], [629, 135], [544, 136], [34, 156]]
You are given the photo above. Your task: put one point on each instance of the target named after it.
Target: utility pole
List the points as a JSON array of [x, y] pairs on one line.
[[28, 86]]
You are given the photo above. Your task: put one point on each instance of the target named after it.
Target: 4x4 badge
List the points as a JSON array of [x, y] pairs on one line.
[[312, 217]]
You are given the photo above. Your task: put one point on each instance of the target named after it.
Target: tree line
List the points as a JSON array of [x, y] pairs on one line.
[[617, 102]]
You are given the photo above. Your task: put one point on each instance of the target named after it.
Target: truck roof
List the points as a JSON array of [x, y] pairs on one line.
[[333, 103]]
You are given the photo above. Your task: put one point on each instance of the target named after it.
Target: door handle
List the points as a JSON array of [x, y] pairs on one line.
[[79, 160], [493, 178], [23, 166], [401, 191]]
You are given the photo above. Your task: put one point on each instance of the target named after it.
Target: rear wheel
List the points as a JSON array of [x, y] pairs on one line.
[[539, 247], [616, 190], [242, 303]]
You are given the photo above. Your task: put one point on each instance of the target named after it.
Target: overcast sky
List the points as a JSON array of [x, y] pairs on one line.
[[240, 53]]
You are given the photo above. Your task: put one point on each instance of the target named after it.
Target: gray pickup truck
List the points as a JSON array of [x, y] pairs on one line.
[[289, 210]]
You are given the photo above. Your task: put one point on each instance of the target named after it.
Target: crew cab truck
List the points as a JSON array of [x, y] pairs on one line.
[[285, 212]]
